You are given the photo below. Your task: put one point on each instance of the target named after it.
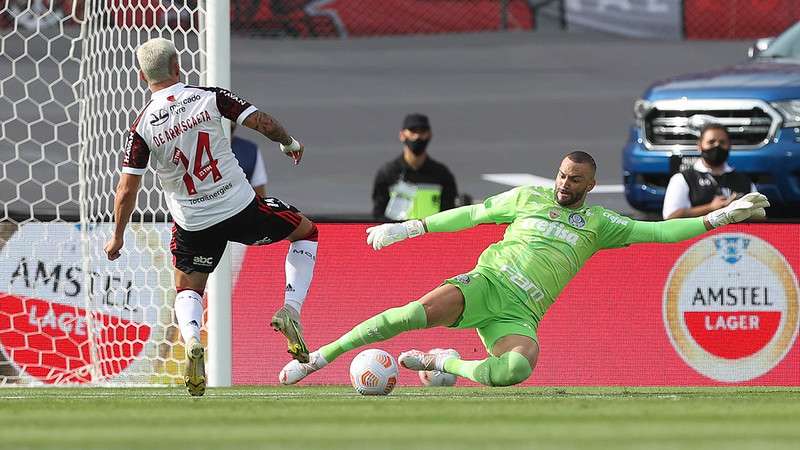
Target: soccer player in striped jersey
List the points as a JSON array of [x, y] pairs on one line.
[[180, 134]]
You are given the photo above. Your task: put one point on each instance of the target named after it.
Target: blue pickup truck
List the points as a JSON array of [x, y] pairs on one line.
[[757, 101]]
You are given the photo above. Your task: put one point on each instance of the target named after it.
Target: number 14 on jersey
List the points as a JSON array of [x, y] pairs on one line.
[[200, 170]]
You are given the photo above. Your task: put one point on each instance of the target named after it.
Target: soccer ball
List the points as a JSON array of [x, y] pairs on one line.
[[436, 377], [373, 372]]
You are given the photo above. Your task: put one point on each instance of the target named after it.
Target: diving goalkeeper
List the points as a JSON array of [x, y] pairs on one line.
[[550, 236]]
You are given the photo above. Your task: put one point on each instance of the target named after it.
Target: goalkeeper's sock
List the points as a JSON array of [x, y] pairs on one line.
[[383, 326], [300, 260], [510, 368], [189, 312]]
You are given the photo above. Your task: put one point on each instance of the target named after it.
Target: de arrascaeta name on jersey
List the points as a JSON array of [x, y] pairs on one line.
[[181, 127]]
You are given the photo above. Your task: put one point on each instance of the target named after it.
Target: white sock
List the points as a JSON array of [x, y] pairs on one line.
[[189, 312], [300, 260]]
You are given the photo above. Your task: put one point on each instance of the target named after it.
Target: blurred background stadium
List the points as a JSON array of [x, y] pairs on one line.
[[509, 85]]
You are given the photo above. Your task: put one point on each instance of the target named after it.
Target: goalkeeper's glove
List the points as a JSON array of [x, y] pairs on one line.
[[751, 206], [387, 234]]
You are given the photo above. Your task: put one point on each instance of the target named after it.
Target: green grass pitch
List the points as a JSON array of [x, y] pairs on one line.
[[435, 418]]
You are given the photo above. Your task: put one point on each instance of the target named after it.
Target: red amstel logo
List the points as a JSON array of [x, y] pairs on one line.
[[731, 307], [60, 324]]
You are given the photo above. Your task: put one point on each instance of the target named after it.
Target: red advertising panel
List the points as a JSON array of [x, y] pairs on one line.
[[51, 333], [340, 18], [738, 19], [717, 310], [51, 341]]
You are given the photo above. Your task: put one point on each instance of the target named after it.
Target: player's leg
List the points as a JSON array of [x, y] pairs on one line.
[[269, 220], [505, 326], [440, 307], [189, 303], [189, 315], [512, 361], [299, 268], [195, 255]]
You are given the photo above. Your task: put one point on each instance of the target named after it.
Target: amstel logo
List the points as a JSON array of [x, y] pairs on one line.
[[731, 307]]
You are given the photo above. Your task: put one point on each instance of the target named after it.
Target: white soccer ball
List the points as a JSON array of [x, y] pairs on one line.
[[436, 377], [373, 372]]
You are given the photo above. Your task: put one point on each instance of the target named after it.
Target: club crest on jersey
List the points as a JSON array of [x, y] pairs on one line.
[[159, 117], [576, 220], [554, 213], [463, 278]]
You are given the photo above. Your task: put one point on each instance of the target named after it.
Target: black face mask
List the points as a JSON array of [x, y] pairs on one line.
[[715, 156], [417, 147]]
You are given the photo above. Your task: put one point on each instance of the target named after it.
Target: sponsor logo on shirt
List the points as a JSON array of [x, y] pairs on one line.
[[213, 195], [731, 307], [159, 117], [234, 97], [554, 213], [177, 109], [614, 218], [191, 99], [551, 229]]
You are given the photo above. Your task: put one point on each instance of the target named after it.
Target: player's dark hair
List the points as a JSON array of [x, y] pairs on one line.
[[582, 158], [713, 126]]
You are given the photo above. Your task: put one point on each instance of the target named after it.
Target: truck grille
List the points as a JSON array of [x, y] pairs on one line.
[[675, 124]]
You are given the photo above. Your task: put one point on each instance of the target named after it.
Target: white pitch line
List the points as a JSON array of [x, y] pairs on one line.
[[527, 179]]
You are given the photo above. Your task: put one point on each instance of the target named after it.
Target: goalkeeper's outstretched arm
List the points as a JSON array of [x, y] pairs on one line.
[[751, 206], [124, 202], [451, 220]]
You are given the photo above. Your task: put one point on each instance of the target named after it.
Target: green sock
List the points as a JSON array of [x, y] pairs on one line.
[[510, 368], [383, 326]]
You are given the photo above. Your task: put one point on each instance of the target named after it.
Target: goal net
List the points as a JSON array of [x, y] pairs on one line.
[[69, 90]]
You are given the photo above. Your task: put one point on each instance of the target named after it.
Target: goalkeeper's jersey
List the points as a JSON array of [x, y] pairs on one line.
[[546, 244], [180, 130]]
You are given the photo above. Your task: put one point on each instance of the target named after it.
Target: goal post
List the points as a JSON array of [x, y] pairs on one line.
[[69, 90], [218, 31]]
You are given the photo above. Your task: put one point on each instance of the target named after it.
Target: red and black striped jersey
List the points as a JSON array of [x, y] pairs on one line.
[[180, 130]]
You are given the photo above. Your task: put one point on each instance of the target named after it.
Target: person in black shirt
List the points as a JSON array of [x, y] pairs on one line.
[[708, 185], [413, 185]]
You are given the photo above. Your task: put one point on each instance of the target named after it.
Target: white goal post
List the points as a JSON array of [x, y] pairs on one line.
[[69, 90]]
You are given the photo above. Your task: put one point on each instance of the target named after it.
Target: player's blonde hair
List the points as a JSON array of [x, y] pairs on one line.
[[155, 58]]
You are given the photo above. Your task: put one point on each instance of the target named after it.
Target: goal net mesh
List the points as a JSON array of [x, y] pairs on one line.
[[69, 90]]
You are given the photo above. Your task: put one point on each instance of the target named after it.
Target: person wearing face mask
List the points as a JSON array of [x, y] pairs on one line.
[[708, 185], [413, 185]]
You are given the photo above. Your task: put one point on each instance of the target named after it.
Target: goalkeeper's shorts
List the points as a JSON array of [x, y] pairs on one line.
[[492, 310], [264, 221]]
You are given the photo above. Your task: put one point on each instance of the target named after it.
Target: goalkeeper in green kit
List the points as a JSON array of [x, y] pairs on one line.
[[551, 233]]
